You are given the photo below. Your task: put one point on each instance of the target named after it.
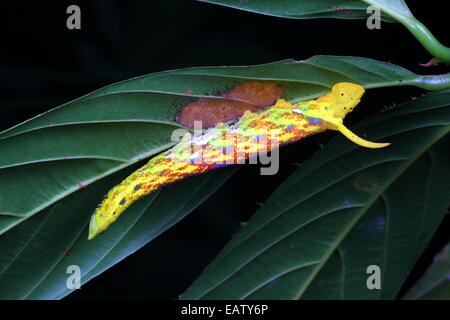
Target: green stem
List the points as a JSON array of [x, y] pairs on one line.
[[419, 30], [426, 38], [433, 83]]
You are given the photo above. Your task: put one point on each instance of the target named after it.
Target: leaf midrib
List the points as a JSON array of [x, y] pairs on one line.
[[401, 169], [285, 210]]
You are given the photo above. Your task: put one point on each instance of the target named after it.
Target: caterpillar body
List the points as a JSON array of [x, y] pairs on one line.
[[222, 145]]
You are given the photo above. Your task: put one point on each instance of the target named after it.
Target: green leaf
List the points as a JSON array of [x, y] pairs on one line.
[[390, 10], [306, 9], [59, 152], [345, 209], [36, 254], [435, 283], [392, 7], [66, 159]]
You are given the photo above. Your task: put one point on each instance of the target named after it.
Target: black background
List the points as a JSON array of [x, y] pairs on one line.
[[43, 64]]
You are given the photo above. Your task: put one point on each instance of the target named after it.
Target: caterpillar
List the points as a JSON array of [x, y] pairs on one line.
[[223, 144]]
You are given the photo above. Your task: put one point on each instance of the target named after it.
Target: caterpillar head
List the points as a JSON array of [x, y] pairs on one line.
[[346, 97], [342, 99], [333, 107]]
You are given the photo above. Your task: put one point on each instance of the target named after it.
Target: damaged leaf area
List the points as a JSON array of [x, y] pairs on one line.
[[252, 96]]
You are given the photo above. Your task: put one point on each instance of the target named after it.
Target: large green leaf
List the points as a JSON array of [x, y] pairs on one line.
[[390, 10], [58, 158], [435, 283], [36, 254], [305, 9], [67, 148], [345, 209]]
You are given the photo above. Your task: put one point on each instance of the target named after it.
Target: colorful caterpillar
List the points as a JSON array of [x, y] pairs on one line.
[[222, 145]]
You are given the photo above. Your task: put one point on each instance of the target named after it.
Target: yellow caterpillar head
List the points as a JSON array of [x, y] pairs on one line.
[[347, 96], [344, 97], [333, 108]]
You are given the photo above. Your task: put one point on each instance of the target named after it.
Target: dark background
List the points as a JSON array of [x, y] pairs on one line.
[[43, 64]]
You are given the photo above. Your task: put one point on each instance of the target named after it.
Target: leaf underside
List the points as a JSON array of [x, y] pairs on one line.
[[59, 152], [345, 209], [65, 160], [305, 9]]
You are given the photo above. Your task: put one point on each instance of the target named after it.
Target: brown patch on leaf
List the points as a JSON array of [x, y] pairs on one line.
[[212, 111], [257, 93], [251, 96]]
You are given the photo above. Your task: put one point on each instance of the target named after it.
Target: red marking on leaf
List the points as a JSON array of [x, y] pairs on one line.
[[188, 91], [343, 10], [257, 93], [69, 253], [252, 96], [212, 111], [81, 185]]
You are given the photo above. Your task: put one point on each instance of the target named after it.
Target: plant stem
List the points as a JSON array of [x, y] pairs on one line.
[[418, 29], [426, 38], [434, 82]]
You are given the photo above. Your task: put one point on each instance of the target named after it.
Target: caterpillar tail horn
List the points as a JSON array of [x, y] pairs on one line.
[[358, 140]]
